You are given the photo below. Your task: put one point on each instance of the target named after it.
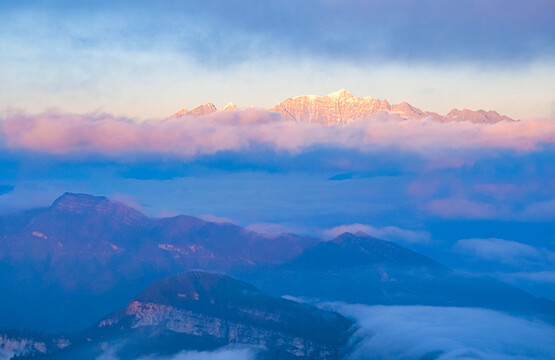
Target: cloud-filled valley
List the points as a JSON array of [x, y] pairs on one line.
[[442, 333], [422, 332]]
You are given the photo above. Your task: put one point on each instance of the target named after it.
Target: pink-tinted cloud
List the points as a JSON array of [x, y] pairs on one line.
[[424, 187], [459, 207], [62, 133], [508, 191], [499, 191]]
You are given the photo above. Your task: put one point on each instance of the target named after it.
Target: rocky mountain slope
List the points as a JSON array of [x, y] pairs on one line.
[[341, 107], [27, 343], [205, 311]]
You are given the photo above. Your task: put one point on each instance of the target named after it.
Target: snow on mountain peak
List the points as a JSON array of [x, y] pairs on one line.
[[341, 107], [230, 106], [340, 94]]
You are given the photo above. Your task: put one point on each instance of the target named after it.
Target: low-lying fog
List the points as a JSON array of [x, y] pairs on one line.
[[425, 333]]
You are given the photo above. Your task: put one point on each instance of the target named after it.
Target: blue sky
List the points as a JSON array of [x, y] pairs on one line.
[[146, 59]]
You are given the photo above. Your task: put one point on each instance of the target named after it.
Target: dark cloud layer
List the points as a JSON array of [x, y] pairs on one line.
[[428, 31]]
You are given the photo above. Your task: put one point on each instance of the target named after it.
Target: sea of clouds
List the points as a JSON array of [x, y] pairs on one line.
[[56, 132], [446, 333], [423, 333]]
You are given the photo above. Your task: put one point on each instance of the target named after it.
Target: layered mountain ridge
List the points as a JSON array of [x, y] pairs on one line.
[[92, 252], [202, 311], [83, 247], [341, 107]]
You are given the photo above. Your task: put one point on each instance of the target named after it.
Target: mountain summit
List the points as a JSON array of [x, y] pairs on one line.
[[354, 250], [338, 107], [89, 251], [341, 107], [205, 311]]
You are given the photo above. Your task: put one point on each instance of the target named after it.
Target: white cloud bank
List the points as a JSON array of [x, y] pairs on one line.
[[443, 333], [227, 353], [391, 233]]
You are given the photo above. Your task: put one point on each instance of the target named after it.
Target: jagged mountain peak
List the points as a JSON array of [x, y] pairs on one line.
[[340, 94], [349, 250], [201, 110], [181, 111], [341, 107], [94, 206], [230, 107], [478, 116]]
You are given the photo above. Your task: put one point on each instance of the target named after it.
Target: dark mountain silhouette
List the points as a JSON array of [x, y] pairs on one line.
[[357, 268], [354, 250], [205, 311]]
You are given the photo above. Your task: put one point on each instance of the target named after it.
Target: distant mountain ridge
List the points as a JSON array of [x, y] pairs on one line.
[[358, 268], [341, 107], [107, 228], [354, 250]]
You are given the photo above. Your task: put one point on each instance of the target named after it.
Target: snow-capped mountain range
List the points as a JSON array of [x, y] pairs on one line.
[[341, 107]]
